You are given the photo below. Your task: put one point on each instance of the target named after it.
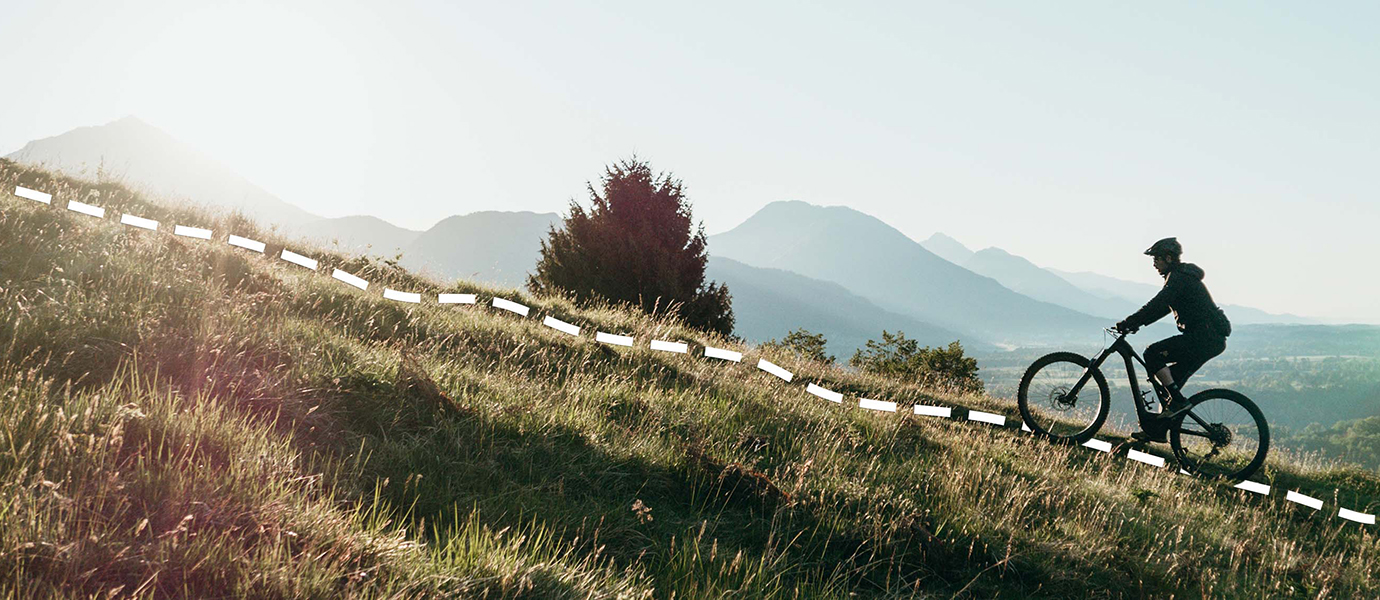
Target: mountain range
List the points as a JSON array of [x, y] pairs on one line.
[[767, 303], [831, 270], [1091, 293], [494, 247], [878, 262]]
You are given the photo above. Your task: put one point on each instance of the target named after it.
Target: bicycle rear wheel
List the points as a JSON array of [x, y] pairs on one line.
[[1050, 408], [1224, 434]]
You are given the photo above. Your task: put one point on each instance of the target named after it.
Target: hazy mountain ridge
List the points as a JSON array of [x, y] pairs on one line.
[[494, 247], [146, 157], [358, 233], [1022, 276], [877, 262], [768, 303], [947, 248], [489, 246], [1088, 292]]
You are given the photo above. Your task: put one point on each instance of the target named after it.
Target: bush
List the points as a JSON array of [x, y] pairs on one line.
[[903, 358], [637, 244], [806, 345], [1355, 441]]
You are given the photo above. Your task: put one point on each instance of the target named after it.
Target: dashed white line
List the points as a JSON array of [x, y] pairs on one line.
[[140, 222], [616, 340], [350, 279], [826, 394], [510, 306], [246, 243], [393, 294], [561, 326], [767, 366]]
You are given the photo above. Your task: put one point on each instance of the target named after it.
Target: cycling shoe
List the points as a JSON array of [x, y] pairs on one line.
[[1160, 436]]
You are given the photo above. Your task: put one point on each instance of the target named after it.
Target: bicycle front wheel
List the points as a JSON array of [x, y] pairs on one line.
[[1223, 434], [1050, 405]]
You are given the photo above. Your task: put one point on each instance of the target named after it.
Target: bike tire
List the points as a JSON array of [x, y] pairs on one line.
[[1226, 409], [1042, 411]]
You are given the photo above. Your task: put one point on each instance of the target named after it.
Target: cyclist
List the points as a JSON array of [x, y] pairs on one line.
[[1202, 325]]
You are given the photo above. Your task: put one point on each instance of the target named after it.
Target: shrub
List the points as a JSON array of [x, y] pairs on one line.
[[903, 358], [803, 343], [1356, 440]]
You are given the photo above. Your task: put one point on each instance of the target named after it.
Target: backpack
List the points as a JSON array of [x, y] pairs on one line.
[[1220, 322]]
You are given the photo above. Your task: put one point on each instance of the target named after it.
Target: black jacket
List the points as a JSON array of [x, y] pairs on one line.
[[1185, 294]]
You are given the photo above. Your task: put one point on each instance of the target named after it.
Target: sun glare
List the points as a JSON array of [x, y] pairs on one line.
[[279, 68]]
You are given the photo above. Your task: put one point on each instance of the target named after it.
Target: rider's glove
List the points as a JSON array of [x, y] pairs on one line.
[[1124, 327]]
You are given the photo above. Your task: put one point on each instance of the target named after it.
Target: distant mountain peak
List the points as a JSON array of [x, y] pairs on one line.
[[995, 253], [132, 125], [948, 248], [797, 209], [993, 250], [131, 121], [149, 157], [941, 237], [877, 262]]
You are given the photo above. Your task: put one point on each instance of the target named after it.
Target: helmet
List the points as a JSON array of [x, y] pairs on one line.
[[1165, 247]]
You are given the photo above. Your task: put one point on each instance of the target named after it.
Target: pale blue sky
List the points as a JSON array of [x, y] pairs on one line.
[[1073, 134]]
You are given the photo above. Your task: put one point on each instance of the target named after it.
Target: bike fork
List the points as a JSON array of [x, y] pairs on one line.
[[1087, 374]]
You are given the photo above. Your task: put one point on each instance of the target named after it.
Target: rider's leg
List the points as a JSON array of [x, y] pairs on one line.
[[1194, 354], [1159, 356], [1166, 376]]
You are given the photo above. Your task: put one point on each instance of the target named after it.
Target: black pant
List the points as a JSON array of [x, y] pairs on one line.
[[1184, 354]]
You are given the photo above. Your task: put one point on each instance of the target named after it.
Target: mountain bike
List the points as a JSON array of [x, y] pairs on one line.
[[1217, 433]]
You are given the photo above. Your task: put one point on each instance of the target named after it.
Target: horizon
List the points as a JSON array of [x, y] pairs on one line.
[[1252, 120]]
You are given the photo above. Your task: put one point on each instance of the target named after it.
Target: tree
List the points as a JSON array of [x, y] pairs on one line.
[[903, 358], [1356, 440], [803, 343], [636, 244]]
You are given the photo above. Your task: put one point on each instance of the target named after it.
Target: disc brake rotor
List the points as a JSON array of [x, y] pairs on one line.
[[1059, 399]]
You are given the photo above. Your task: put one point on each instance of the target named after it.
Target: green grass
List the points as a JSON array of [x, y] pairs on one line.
[[184, 418]]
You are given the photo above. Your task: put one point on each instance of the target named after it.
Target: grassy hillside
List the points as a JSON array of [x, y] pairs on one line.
[[185, 418]]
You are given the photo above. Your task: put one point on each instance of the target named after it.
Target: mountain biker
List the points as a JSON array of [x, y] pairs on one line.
[[1202, 325]]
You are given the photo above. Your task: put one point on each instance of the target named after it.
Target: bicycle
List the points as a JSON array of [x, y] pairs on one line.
[[1217, 433]]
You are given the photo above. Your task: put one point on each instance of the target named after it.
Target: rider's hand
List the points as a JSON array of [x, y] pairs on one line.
[[1125, 328]]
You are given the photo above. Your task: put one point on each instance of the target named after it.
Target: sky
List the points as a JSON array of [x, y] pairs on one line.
[[1073, 133]]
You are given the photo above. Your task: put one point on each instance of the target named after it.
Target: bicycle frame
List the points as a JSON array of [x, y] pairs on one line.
[[1128, 354]]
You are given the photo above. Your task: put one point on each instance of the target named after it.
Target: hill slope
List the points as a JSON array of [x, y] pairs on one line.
[[186, 418]]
